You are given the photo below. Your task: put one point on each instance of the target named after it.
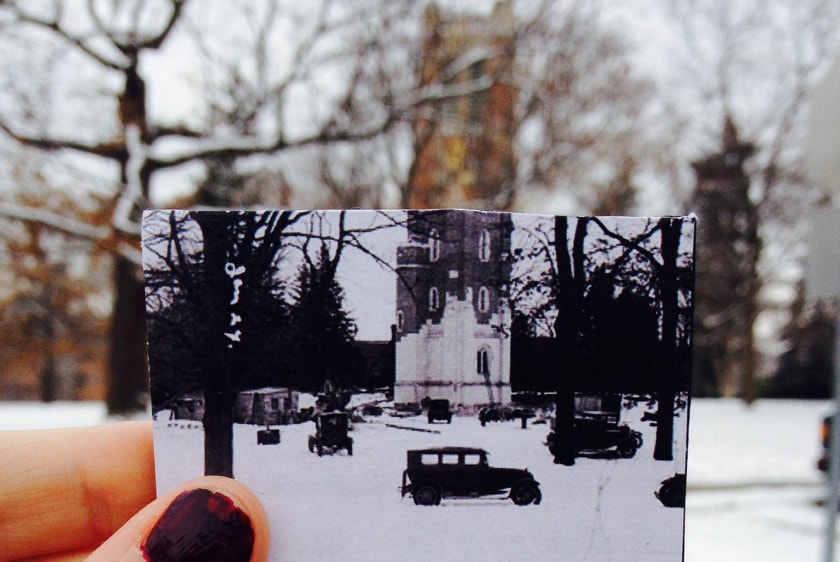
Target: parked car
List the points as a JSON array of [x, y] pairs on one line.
[[439, 410], [671, 491], [601, 435], [331, 433], [504, 413], [464, 472], [493, 414]]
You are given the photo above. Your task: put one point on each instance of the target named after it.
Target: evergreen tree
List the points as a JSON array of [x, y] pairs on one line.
[[323, 329], [805, 370], [728, 249]]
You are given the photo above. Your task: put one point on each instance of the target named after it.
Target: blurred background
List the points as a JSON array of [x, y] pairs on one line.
[[650, 107]]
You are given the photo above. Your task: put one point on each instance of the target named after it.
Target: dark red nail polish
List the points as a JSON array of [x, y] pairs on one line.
[[201, 526]]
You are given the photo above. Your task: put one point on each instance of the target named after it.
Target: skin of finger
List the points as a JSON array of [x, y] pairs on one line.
[[125, 545], [69, 490]]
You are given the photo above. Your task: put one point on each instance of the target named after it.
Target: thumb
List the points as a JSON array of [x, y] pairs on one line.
[[210, 519]]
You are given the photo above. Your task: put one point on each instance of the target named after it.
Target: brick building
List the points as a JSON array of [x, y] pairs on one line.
[[463, 149]]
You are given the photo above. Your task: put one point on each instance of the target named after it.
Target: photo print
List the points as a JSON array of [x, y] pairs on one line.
[[416, 385]]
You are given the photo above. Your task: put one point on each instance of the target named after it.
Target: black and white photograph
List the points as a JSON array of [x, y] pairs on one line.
[[435, 384]]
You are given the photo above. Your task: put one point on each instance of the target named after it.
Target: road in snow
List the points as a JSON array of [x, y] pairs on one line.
[[752, 494]]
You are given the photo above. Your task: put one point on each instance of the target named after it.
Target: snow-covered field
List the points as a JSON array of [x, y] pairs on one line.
[[344, 507], [752, 494]]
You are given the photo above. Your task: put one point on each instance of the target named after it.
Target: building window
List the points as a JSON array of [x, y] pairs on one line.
[[434, 299], [483, 299], [275, 403], [484, 246], [400, 320], [434, 245], [482, 362]]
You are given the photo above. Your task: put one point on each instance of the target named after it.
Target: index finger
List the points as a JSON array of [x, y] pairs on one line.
[[70, 489]]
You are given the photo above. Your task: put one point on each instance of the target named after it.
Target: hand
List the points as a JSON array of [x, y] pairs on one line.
[[73, 493]]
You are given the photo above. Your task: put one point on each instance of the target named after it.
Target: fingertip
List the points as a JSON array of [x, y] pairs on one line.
[[246, 500], [210, 518]]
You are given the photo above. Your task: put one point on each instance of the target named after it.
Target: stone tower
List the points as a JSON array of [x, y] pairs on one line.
[[453, 322]]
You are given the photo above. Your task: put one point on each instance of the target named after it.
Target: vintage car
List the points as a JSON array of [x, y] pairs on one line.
[[599, 436], [439, 410], [331, 433], [671, 491], [463, 472], [504, 413], [598, 430]]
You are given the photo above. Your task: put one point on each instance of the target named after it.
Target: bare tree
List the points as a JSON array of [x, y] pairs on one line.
[[751, 65], [115, 40], [303, 104]]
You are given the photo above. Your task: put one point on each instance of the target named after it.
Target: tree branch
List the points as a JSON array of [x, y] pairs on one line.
[[112, 150], [79, 42]]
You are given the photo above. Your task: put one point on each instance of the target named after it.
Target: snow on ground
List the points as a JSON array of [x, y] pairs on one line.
[[753, 485], [753, 482], [38, 415], [344, 507]]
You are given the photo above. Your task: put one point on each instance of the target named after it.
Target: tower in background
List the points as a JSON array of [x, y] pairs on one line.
[[463, 147], [453, 321]]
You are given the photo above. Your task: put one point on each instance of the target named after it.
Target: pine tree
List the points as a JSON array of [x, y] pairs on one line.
[[324, 330]]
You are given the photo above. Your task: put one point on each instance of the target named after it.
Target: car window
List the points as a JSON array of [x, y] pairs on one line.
[[472, 459], [429, 458], [449, 458]]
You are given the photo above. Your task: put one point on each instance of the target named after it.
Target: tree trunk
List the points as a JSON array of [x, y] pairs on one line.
[[49, 379], [219, 370], [128, 380], [568, 301], [664, 449], [218, 432]]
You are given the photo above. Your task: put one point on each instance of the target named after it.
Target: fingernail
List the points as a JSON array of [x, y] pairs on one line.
[[201, 526]]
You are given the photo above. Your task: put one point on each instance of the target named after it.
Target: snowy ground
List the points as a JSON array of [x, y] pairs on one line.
[[344, 507], [752, 489]]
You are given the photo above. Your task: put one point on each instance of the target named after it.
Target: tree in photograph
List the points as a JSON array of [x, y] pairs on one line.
[[668, 367], [222, 302], [668, 281], [569, 287], [615, 288], [223, 317], [324, 331]]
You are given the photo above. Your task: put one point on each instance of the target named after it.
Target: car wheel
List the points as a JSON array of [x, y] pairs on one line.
[[426, 494], [627, 448], [320, 451], [525, 494]]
